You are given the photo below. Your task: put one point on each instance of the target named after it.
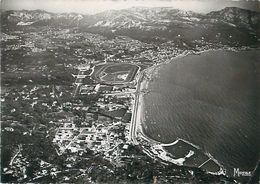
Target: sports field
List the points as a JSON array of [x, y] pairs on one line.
[[116, 73]]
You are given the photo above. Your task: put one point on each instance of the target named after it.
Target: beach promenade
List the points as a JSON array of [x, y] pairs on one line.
[[133, 125], [142, 79]]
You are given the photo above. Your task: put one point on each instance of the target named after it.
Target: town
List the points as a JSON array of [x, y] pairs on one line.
[[69, 99]]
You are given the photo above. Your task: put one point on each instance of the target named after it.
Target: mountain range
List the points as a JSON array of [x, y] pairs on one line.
[[142, 23]]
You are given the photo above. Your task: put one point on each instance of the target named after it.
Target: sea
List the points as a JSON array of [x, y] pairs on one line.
[[211, 100]]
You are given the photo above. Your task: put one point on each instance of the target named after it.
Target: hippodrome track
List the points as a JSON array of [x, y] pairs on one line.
[[106, 65]]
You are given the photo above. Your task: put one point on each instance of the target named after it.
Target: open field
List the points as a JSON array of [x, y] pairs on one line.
[[115, 73]]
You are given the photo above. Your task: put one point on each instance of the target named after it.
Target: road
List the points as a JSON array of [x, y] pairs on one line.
[[119, 93], [19, 150], [134, 120], [133, 124], [79, 76], [72, 141]]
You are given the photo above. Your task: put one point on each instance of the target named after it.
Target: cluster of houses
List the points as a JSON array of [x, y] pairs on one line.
[[96, 134]]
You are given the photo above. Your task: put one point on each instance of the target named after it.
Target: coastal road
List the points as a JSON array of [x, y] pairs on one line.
[[133, 125], [134, 121]]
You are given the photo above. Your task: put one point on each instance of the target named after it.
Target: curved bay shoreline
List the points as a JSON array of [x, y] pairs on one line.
[[151, 73]]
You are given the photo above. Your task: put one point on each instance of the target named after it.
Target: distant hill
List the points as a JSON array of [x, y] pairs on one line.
[[39, 18], [237, 16], [148, 23]]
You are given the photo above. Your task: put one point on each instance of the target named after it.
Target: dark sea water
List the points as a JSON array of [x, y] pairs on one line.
[[211, 100]]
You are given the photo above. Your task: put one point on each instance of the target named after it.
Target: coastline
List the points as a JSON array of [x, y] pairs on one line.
[[143, 86], [209, 164], [157, 146], [144, 83]]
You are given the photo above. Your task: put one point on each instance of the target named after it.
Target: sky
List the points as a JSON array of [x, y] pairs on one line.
[[96, 6]]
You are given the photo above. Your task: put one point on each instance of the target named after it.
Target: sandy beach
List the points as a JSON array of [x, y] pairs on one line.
[[144, 79]]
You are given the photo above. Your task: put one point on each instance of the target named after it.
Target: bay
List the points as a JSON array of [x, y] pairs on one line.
[[210, 100]]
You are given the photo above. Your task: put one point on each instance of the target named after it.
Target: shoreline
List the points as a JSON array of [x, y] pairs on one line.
[[144, 86], [163, 154], [166, 151], [149, 71]]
